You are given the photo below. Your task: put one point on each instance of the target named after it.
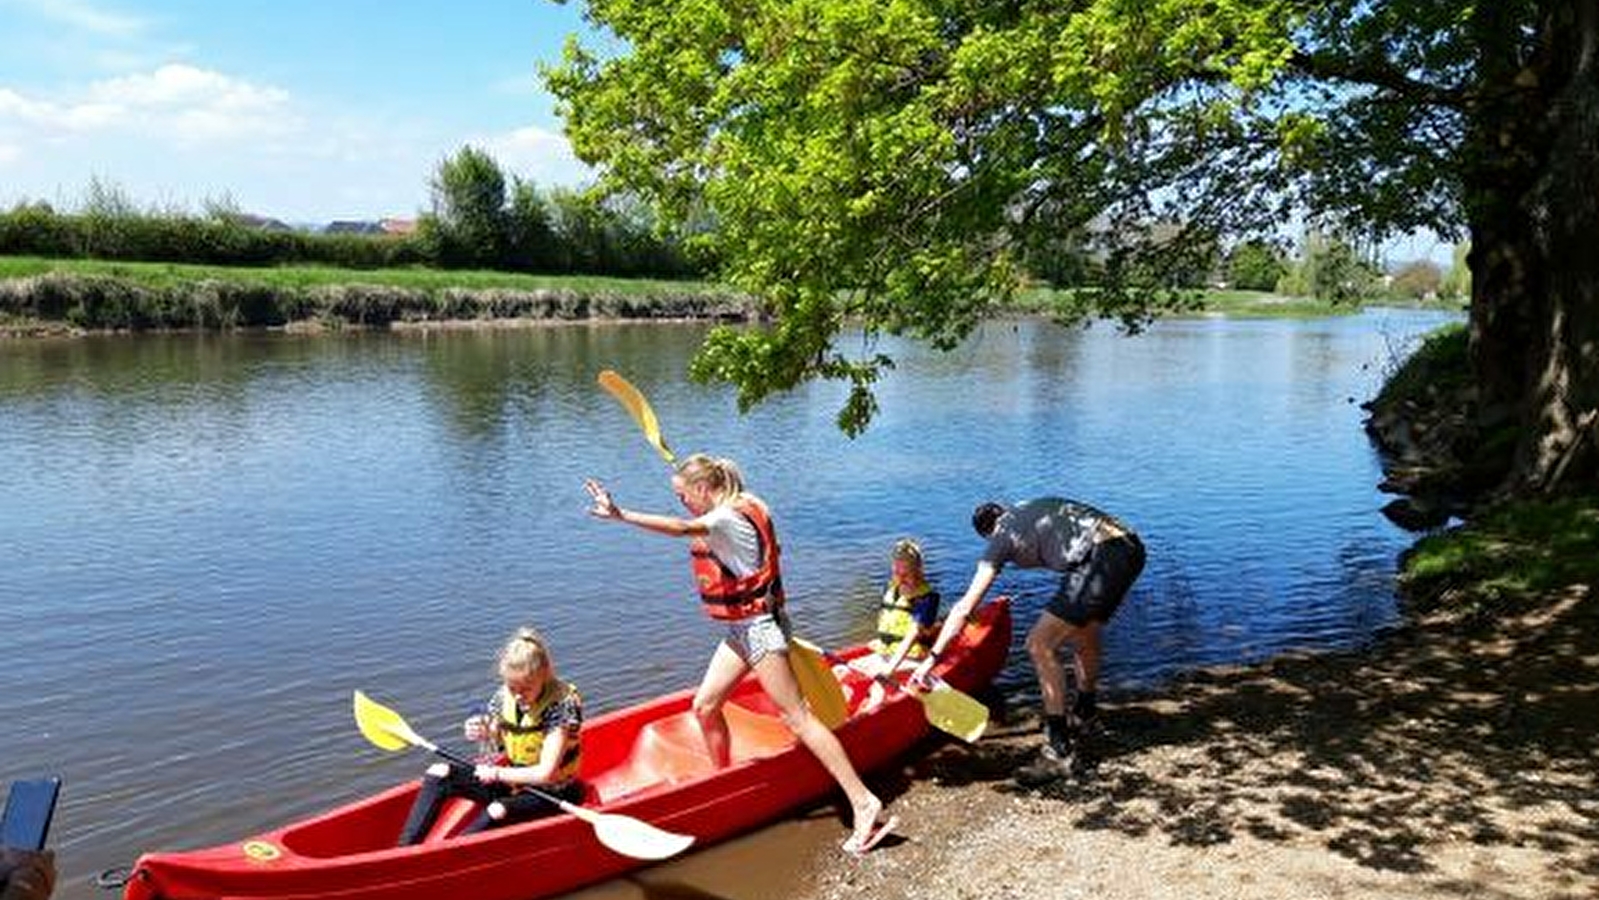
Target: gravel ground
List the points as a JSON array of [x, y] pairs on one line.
[[1442, 763]]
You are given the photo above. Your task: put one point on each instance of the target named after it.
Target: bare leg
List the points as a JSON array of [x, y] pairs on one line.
[[1043, 645], [1086, 638], [721, 675], [776, 674]]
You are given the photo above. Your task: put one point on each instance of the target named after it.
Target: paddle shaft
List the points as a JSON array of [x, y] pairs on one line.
[[626, 835], [456, 758]]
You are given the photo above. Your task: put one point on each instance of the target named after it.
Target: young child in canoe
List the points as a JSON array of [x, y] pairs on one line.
[[535, 720], [907, 617]]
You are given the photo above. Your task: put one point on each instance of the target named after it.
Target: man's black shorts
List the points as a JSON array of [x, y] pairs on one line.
[[1092, 591]]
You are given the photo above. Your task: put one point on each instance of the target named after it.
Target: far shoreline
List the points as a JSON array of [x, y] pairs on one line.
[[79, 297]]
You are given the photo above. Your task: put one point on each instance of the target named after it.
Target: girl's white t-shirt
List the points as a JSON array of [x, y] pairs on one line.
[[733, 539]]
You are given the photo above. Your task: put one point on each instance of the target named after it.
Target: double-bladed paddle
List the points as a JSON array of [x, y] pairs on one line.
[[386, 729], [816, 681]]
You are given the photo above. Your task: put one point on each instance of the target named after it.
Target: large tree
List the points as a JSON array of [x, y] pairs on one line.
[[886, 162]]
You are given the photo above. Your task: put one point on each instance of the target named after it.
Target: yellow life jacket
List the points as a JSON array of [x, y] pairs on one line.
[[895, 622], [523, 736]]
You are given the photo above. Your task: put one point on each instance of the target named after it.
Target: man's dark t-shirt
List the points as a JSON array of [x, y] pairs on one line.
[[1046, 533]]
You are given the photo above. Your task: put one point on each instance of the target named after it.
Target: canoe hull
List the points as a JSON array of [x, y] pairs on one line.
[[646, 761]]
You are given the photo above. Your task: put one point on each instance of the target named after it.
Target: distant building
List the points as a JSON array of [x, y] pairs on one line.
[[398, 227], [347, 226], [251, 220]]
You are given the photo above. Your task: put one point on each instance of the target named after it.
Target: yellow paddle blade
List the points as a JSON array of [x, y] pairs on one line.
[[817, 683], [955, 712], [634, 402], [382, 726]]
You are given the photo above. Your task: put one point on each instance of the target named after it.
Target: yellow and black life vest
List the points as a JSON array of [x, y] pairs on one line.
[[895, 622], [523, 735], [727, 596]]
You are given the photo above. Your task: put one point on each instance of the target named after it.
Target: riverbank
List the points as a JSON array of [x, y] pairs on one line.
[[86, 297], [1457, 757], [52, 297]]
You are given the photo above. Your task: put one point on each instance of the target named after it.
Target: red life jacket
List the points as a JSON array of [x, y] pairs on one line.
[[727, 596]]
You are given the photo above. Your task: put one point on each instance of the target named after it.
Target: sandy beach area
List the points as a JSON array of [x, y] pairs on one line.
[[1450, 760]]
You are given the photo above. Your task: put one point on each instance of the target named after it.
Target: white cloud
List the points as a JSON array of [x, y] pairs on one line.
[[539, 154], [182, 103], [83, 16], [176, 133]]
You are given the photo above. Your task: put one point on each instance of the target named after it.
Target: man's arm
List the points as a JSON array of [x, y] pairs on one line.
[[982, 580]]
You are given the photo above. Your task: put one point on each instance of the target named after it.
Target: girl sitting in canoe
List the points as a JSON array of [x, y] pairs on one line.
[[735, 558], [907, 617], [535, 719]]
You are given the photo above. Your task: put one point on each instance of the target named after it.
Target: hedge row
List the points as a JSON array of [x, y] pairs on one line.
[[38, 231], [587, 242]]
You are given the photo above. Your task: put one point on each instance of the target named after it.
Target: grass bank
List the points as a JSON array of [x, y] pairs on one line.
[[1507, 562], [168, 275], [1223, 302], [43, 295], [47, 295]]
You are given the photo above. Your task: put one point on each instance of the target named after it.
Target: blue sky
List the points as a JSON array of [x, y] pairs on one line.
[[306, 111]]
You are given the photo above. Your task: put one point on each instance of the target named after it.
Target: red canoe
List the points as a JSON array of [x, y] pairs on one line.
[[647, 761]]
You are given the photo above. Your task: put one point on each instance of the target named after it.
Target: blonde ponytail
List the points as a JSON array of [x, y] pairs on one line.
[[719, 473]]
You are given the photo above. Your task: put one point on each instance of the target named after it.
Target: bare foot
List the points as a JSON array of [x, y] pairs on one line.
[[869, 831]]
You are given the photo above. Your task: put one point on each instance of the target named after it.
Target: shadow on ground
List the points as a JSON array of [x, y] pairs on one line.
[[1485, 736]]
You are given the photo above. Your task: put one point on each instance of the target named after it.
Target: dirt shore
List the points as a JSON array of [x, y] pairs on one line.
[[1445, 762]]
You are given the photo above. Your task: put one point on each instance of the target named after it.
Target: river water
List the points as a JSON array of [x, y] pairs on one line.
[[207, 542]]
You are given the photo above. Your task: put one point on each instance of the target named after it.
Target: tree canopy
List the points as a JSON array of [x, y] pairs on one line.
[[886, 163]]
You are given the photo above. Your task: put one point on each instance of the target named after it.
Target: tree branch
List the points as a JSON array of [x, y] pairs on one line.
[[1377, 73]]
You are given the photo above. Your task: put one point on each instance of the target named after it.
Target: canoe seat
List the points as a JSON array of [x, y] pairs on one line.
[[671, 750], [756, 734]]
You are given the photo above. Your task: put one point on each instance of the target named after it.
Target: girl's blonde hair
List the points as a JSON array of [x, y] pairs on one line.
[[908, 550], [719, 473], [525, 653]]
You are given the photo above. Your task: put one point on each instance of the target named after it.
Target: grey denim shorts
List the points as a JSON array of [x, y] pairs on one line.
[[756, 636]]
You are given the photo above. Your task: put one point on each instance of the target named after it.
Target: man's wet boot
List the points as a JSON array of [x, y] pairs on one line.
[[1053, 763], [1054, 760]]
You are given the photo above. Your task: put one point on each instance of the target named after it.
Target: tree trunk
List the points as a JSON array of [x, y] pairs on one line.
[[1535, 256], [1562, 449]]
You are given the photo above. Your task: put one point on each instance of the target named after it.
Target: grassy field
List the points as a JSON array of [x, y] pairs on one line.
[[165, 275]]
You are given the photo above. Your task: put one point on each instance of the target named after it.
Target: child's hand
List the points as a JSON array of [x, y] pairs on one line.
[[478, 728], [604, 506]]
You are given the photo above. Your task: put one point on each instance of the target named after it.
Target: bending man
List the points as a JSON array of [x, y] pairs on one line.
[[1099, 558]]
